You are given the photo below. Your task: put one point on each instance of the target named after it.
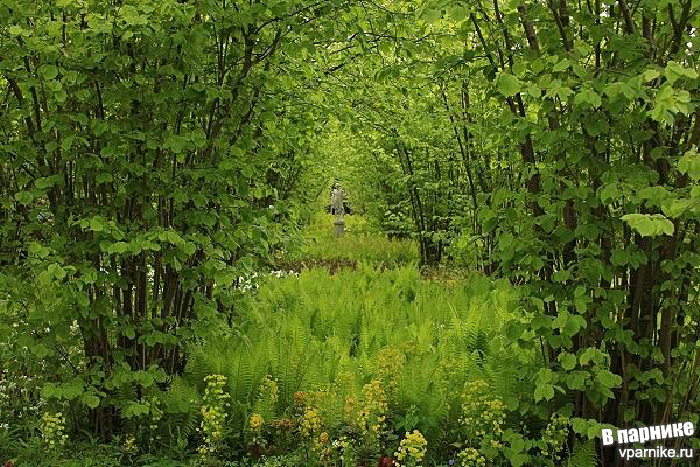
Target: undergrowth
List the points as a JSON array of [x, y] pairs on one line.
[[360, 242], [326, 339]]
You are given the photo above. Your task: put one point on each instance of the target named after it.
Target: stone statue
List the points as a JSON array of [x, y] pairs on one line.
[[337, 202], [338, 209]]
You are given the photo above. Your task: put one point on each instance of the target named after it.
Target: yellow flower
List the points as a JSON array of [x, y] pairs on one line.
[[310, 421], [373, 409], [269, 390], [324, 438], [256, 421], [412, 448], [213, 413], [130, 444]]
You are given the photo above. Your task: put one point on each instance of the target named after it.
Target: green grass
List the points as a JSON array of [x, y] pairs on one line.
[[360, 243]]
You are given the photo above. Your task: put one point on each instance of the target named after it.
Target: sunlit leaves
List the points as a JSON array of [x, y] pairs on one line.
[[669, 101], [649, 225], [555, 88], [689, 164], [620, 88], [675, 71]]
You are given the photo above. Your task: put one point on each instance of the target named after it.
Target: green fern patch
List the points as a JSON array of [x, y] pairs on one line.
[[327, 339]]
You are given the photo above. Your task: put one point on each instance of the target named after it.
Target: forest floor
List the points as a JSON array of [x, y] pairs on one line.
[[346, 356]]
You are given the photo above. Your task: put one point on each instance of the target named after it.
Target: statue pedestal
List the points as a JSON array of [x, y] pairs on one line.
[[339, 227]]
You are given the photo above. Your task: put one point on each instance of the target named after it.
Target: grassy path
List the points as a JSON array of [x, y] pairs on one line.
[[362, 353]]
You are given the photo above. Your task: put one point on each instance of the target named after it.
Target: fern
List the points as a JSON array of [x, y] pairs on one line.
[[181, 405], [584, 455], [310, 332]]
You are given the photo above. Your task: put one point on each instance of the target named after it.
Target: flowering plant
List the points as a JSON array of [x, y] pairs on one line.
[[53, 427], [412, 450], [213, 414]]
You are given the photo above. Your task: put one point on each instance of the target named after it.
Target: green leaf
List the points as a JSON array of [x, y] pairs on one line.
[[508, 85], [544, 391], [96, 224], [49, 71], [103, 177], [118, 247], [619, 257], [67, 142], [608, 379], [91, 400], [651, 74], [61, 96], [677, 207], [563, 65], [577, 380], [568, 361], [649, 225], [431, 15], [609, 192], [588, 96], [615, 89], [669, 101], [24, 197], [170, 236], [664, 225], [675, 70], [518, 459], [58, 271], [689, 164]]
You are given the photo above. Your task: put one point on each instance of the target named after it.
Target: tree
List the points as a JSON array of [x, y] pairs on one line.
[[141, 149]]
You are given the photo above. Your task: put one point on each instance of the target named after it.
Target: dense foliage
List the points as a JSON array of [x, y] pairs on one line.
[[143, 171], [158, 158], [555, 144]]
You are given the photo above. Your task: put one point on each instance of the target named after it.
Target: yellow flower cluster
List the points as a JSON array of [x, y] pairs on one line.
[[322, 447], [256, 421], [269, 390], [372, 415], [470, 457], [213, 413], [310, 421], [412, 450], [53, 427], [130, 444], [495, 444], [390, 361], [411, 348], [350, 409], [449, 371], [344, 382], [280, 423], [555, 435], [482, 414], [318, 398]]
